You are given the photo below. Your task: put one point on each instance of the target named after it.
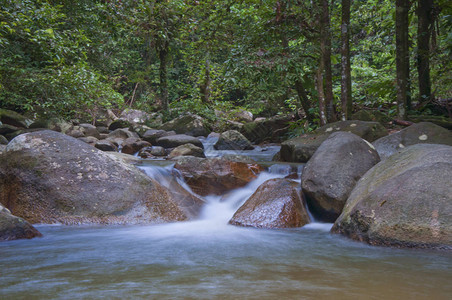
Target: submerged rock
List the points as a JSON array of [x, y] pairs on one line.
[[277, 203], [332, 172], [421, 133], [14, 228], [404, 201], [207, 176], [48, 177], [302, 148]]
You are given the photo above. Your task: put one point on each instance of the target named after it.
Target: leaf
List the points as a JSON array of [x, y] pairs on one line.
[[50, 32]]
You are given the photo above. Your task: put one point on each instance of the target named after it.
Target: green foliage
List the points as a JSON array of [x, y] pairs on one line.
[[74, 58], [43, 64]]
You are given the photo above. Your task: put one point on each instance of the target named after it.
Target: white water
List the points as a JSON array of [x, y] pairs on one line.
[[264, 153], [218, 210]]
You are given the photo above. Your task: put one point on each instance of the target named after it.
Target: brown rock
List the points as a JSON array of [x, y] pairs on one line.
[[208, 176], [277, 203], [13, 228], [133, 145]]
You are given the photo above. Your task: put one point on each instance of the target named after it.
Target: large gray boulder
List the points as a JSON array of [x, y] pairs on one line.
[[233, 140], [403, 201], [277, 203], [188, 124], [14, 228], [48, 177], [300, 149], [421, 133], [173, 141], [332, 172]]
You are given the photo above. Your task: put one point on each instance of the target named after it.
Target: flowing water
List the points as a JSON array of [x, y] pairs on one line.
[[209, 259]]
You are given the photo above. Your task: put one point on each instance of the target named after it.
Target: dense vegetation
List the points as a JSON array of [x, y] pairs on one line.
[[75, 58]]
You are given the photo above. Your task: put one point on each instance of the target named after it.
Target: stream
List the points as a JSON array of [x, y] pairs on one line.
[[209, 259]]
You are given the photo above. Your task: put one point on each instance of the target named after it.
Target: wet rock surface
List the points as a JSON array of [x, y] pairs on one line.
[[207, 176], [48, 177], [403, 201], [332, 172], [14, 228], [277, 203]]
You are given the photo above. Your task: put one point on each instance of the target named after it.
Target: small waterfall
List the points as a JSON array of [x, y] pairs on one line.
[[161, 174], [220, 209]]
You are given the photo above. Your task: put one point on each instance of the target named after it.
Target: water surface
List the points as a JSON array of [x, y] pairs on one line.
[[207, 260]]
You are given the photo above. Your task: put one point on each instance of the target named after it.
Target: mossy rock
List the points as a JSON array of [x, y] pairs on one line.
[[13, 118], [404, 201], [437, 120], [371, 116], [420, 133]]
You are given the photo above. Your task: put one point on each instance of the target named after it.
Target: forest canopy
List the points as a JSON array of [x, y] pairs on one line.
[[320, 60]]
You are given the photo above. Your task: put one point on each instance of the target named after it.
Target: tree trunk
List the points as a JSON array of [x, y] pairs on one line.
[[304, 100], [204, 88], [325, 45], [319, 82], [424, 30], [346, 79], [163, 72], [402, 57]]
